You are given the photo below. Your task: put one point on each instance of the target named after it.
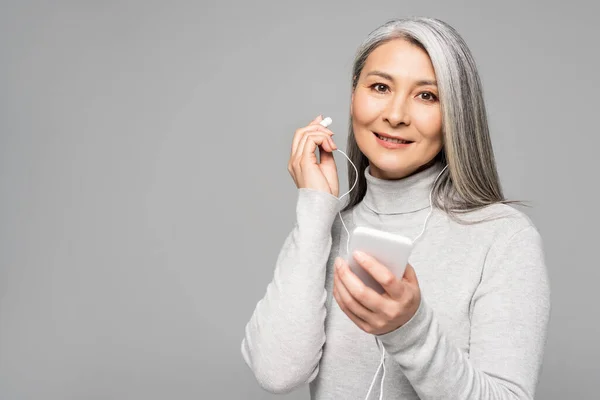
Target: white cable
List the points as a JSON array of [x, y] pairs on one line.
[[430, 205], [340, 212], [381, 363], [326, 122]]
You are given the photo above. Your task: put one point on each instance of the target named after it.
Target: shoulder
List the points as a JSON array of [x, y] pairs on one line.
[[494, 229], [501, 220], [512, 235]]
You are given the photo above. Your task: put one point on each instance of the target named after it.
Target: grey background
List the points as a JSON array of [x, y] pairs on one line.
[[144, 191]]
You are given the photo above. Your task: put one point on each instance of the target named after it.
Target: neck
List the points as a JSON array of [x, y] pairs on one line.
[[399, 196]]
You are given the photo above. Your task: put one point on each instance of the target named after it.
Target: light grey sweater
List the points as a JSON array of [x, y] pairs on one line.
[[479, 332]]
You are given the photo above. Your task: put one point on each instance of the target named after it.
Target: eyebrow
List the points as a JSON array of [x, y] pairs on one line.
[[422, 82]]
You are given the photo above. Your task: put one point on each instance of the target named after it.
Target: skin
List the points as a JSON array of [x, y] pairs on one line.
[[395, 94], [401, 107], [401, 104]]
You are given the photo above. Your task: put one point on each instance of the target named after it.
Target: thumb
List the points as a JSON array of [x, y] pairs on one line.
[[410, 275], [327, 165]]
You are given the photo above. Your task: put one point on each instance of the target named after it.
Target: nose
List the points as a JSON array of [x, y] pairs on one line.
[[397, 111]]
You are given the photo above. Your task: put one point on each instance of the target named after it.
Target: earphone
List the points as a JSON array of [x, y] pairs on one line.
[[326, 122]]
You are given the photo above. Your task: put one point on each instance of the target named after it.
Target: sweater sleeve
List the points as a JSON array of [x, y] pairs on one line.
[[284, 338], [509, 313]]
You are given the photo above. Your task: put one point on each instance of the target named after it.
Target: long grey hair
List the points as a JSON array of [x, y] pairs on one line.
[[471, 179]]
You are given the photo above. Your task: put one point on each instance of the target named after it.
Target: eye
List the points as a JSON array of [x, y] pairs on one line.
[[378, 85], [428, 96]]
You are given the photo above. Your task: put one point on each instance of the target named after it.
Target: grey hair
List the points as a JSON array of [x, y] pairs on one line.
[[471, 180]]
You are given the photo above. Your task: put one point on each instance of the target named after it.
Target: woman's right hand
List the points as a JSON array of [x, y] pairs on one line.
[[303, 165]]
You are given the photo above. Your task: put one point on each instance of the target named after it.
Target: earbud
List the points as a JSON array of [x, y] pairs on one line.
[[326, 122]]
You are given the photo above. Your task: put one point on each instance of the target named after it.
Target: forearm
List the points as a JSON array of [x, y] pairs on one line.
[[285, 335], [438, 369], [508, 318]]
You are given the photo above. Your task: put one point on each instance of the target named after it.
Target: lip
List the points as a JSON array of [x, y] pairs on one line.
[[390, 145], [391, 136]]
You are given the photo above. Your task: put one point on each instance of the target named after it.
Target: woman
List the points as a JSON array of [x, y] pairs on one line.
[[468, 319]]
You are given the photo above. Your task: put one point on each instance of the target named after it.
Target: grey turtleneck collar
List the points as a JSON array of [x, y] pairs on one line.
[[400, 196]]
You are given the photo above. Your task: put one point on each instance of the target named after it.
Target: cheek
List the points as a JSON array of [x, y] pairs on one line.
[[365, 108], [429, 124]]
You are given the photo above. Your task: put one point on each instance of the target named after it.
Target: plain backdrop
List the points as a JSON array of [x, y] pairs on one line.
[[144, 194]]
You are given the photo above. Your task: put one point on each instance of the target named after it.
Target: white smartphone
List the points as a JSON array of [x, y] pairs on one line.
[[389, 249]]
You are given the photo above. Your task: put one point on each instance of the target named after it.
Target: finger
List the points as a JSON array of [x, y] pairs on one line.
[[328, 145], [316, 120], [363, 294], [307, 147], [310, 128], [361, 323], [410, 275], [350, 302], [379, 272], [301, 132], [333, 145], [327, 162], [329, 169]]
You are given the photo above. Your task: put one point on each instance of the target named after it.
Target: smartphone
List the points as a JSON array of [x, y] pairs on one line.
[[389, 249]]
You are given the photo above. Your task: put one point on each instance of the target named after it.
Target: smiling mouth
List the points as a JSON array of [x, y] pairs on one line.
[[387, 139]]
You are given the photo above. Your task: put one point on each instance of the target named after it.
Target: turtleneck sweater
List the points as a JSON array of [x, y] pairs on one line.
[[481, 326]]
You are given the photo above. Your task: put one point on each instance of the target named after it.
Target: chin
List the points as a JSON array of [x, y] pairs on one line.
[[391, 169]]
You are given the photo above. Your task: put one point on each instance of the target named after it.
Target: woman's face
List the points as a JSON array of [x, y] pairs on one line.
[[396, 96]]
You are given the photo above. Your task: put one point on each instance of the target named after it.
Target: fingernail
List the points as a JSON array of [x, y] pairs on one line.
[[337, 263], [360, 256]]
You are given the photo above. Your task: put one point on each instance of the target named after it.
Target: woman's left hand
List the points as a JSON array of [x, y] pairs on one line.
[[373, 312]]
